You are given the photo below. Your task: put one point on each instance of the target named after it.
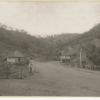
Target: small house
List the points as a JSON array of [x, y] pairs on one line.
[[15, 57]]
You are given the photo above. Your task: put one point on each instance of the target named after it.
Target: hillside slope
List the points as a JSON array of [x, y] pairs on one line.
[[90, 43], [11, 40], [51, 46]]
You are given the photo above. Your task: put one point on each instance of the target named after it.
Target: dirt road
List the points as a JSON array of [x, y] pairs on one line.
[[53, 79]]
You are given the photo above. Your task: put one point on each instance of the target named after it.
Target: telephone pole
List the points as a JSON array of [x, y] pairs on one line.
[[81, 57]]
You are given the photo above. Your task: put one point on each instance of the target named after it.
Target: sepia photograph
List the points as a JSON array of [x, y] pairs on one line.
[[50, 48]]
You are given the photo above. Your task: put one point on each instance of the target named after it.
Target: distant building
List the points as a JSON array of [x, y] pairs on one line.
[[65, 58], [15, 57]]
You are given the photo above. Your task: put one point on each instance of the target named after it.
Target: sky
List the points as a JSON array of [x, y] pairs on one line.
[[48, 18]]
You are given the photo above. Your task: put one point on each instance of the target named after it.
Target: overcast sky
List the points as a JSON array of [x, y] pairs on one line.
[[47, 18]]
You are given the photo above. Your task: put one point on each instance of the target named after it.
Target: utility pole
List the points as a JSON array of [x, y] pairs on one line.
[[81, 57]]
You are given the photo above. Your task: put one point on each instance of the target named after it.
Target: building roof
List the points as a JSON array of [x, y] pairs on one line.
[[15, 54]]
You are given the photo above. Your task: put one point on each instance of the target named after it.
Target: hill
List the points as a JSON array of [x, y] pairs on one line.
[[51, 46], [11, 40]]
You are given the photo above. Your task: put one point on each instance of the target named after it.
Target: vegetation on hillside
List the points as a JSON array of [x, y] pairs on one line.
[[50, 47], [11, 40], [90, 41]]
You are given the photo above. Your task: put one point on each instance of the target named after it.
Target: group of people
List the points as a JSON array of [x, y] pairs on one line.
[[31, 67]]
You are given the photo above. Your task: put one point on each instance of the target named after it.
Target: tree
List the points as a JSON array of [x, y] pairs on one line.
[[93, 53]]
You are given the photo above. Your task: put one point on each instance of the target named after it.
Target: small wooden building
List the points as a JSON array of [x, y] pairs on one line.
[[15, 57]]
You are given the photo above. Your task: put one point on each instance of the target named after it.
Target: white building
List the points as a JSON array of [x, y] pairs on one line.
[[15, 57]]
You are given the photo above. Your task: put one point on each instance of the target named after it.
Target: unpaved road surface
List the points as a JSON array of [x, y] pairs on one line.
[[53, 79]]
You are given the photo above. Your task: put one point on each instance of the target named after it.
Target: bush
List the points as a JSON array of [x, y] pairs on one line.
[[4, 71]]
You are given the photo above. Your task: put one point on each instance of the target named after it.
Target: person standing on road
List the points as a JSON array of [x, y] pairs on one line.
[[31, 67]]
